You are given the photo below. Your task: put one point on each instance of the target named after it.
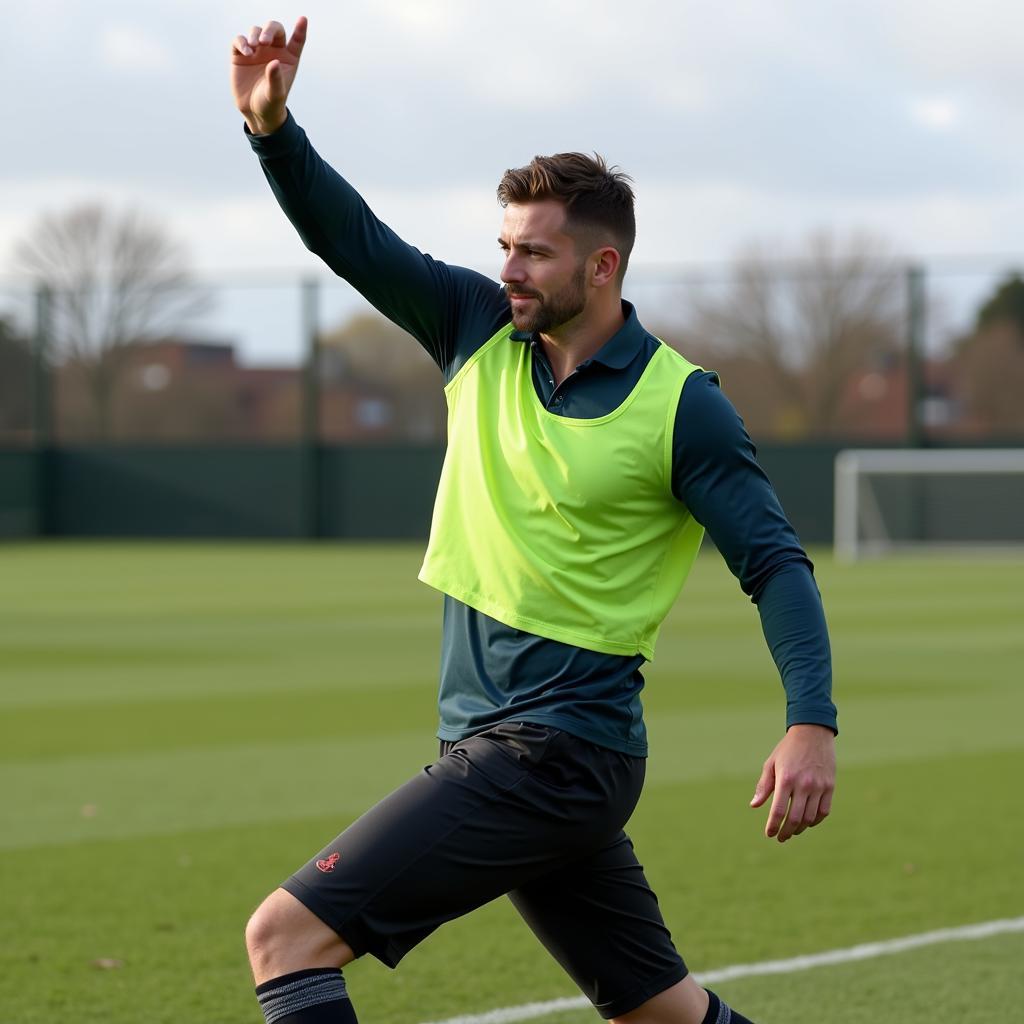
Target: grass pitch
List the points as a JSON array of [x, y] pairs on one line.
[[182, 725]]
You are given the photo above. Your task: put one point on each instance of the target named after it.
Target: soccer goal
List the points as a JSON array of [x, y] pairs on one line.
[[899, 499]]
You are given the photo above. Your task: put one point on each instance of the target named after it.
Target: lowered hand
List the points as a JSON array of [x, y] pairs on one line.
[[801, 771]]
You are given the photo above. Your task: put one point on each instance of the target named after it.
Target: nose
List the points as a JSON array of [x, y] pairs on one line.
[[512, 271]]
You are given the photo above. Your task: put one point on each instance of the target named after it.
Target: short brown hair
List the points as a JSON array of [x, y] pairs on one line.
[[598, 199]]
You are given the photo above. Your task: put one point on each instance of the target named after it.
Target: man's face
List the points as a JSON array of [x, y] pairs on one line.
[[544, 275]]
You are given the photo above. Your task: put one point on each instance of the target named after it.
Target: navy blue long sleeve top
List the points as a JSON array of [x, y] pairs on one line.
[[491, 672]]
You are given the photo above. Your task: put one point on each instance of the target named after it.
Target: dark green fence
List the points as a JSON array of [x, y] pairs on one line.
[[288, 491], [292, 491], [20, 499], [276, 492]]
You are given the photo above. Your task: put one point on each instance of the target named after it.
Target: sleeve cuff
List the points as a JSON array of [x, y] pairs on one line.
[[278, 143], [812, 716]]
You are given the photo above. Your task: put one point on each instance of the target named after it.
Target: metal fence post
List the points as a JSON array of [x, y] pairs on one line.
[[42, 399], [916, 326], [916, 436], [42, 410], [311, 497]]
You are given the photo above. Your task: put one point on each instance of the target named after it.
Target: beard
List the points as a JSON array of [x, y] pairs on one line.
[[546, 315]]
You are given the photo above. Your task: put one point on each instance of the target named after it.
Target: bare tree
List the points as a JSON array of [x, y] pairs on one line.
[[989, 363], [804, 322], [989, 371], [114, 279]]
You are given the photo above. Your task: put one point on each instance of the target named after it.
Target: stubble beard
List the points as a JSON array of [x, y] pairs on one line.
[[546, 316]]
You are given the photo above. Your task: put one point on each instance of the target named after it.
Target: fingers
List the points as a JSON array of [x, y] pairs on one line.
[[825, 806], [272, 34], [777, 814], [797, 808], [765, 784], [248, 45], [276, 88], [298, 39], [813, 813], [794, 823], [809, 818]]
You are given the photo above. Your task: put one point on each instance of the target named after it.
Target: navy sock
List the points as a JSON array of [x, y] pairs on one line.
[[719, 1013], [316, 996]]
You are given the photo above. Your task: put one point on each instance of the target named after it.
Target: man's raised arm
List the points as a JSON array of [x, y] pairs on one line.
[[449, 310]]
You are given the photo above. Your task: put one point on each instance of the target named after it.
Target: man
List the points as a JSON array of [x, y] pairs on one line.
[[585, 459]]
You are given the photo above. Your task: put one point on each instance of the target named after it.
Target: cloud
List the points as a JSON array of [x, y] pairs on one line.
[[711, 223], [423, 18], [936, 113], [132, 49], [751, 116]]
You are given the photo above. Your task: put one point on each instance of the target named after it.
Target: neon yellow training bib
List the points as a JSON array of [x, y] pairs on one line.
[[565, 528]]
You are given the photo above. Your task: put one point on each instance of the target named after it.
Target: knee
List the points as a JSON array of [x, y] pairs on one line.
[[263, 931], [283, 936], [684, 1003]]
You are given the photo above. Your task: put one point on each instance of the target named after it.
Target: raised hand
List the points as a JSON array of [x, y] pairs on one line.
[[263, 67]]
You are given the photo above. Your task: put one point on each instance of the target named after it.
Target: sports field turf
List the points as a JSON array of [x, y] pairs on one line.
[[182, 725]]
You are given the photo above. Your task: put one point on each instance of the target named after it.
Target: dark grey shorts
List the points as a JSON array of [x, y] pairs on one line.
[[521, 809]]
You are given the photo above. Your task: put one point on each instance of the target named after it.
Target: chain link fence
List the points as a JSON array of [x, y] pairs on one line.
[[874, 352]]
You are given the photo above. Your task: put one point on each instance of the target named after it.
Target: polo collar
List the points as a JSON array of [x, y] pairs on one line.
[[619, 350]]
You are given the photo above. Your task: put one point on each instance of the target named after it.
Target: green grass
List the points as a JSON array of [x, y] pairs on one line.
[[182, 725]]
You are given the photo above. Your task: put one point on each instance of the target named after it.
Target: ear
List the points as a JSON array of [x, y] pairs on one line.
[[604, 266]]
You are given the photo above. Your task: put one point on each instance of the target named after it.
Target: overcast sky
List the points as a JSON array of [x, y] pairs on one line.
[[738, 121]]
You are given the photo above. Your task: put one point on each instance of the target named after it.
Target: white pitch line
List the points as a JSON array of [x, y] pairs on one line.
[[865, 951]]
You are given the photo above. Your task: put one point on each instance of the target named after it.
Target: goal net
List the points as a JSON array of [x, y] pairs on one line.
[[899, 499]]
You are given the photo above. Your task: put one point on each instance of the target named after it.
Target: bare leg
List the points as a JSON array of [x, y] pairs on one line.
[[684, 1003], [283, 936]]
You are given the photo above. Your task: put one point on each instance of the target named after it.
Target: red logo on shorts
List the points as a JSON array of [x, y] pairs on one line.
[[326, 865]]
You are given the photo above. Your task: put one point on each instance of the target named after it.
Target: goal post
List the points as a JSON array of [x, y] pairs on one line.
[[904, 498]]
